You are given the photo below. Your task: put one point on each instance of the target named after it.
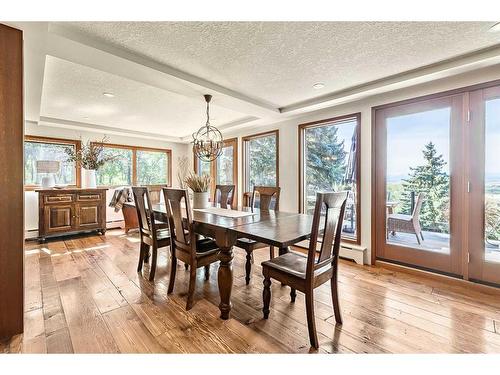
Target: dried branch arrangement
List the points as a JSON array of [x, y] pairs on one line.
[[90, 156], [198, 184]]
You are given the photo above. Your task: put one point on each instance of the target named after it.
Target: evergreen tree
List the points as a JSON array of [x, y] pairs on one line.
[[325, 159], [432, 180]]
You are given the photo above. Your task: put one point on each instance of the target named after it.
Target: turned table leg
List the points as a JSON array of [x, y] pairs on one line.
[[225, 241]]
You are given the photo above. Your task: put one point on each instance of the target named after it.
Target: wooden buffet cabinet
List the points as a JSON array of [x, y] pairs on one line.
[[70, 211]]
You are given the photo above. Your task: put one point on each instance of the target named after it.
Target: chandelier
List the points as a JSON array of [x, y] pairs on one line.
[[207, 141]]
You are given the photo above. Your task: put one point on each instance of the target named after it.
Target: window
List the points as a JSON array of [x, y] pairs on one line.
[[329, 161], [119, 170], [223, 170], [135, 166], [53, 149], [261, 155]]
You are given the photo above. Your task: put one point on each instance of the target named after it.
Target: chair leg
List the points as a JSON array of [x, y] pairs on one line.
[[418, 238], [422, 235], [153, 264], [266, 296], [207, 272], [335, 299], [311, 323], [248, 267], [192, 284], [271, 252], [142, 253], [186, 266], [293, 294], [173, 270]]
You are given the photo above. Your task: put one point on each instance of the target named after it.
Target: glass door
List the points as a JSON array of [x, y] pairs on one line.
[[484, 182], [419, 184]]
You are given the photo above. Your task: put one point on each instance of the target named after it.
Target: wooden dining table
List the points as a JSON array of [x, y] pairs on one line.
[[275, 228]]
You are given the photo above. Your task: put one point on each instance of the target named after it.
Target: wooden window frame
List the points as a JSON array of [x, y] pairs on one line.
[[301, 131], [57, 141], [213, 168], [247, 138], [134, 150]]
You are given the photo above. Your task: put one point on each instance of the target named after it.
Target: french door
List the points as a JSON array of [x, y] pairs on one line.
[[437, 184], [223, 170], [484, 177]]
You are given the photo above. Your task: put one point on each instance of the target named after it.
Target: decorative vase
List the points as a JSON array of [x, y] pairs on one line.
[[200, 200], [89, 180]]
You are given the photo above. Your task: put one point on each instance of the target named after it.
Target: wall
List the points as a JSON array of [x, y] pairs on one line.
[[31, 197], [288, 138]]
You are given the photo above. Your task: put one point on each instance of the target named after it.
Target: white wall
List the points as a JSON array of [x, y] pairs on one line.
[[31, 198], [288, 137]]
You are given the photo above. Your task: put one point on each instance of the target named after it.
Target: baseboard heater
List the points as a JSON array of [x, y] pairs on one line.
[[347, 251]]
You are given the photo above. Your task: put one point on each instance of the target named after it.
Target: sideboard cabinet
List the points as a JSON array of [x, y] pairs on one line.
[[70, 211]]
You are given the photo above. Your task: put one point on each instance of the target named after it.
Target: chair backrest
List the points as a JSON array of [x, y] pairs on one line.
[[418, 206], [269, 197], [224, 195], [180, 228], [144, 210], [331, 229]]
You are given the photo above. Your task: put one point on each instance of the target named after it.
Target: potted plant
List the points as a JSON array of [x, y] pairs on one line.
[[200, 186], [90, 157]]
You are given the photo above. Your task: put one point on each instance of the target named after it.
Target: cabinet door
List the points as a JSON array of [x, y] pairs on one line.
[[58, 218], [88, 215]]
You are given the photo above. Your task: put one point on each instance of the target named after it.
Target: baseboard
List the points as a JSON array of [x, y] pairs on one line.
[[487, 289]]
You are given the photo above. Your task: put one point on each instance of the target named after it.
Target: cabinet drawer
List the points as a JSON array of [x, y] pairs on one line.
[[88, 197], [61, 198]]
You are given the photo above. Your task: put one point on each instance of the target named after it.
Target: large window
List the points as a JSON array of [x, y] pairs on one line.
[[49, 149], [329, 161], [261, 158], [135, 166]]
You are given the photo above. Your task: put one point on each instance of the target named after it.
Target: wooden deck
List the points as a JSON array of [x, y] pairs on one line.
[[83, 295]]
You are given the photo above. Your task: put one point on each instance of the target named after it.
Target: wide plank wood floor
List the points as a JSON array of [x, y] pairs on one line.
[[83, 295]]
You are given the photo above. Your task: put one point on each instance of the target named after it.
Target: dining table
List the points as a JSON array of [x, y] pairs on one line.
[[274, 228]]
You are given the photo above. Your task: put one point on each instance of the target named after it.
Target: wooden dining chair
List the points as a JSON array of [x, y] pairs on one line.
[[224, 195], [153, 234], [305, 273], [185, 245], [269, 199]]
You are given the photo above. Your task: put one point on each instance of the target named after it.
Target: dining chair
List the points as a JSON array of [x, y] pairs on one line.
[[153, 234], [269, 199], [185, 246], [224, 195], [305, 273]]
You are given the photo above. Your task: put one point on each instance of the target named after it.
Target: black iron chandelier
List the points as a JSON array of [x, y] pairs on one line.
[[207, 141]]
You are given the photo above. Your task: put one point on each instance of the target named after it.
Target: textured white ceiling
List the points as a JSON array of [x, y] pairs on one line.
[[279, 62], [74, 92]]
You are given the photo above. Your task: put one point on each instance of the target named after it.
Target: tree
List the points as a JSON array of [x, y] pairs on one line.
[[431, 179]]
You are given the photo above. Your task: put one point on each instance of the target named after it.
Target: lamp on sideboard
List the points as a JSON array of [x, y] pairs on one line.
[[49, 167]]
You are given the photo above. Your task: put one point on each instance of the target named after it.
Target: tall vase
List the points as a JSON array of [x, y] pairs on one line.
[[200, 200], [89, 180]]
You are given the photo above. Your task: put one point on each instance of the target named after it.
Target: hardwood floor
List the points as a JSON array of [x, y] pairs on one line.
[[83, 295]]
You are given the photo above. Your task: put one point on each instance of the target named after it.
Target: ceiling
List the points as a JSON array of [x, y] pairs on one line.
[[257, 71]]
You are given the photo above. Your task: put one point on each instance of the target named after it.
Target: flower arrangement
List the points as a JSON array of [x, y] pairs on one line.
[[198, 184], [90, 156]]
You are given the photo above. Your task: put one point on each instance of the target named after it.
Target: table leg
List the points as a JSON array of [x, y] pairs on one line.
[[283, 250], [225, 242]]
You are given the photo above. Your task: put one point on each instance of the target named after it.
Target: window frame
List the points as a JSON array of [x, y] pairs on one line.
[[245, 168], [134, 150], [356, 240], [56, 141]]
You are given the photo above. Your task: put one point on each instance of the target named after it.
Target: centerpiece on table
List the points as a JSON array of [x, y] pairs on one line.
[[90, 157], [200, 185]]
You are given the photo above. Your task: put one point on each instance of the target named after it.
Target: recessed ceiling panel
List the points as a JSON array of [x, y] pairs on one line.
[[75, 92]]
